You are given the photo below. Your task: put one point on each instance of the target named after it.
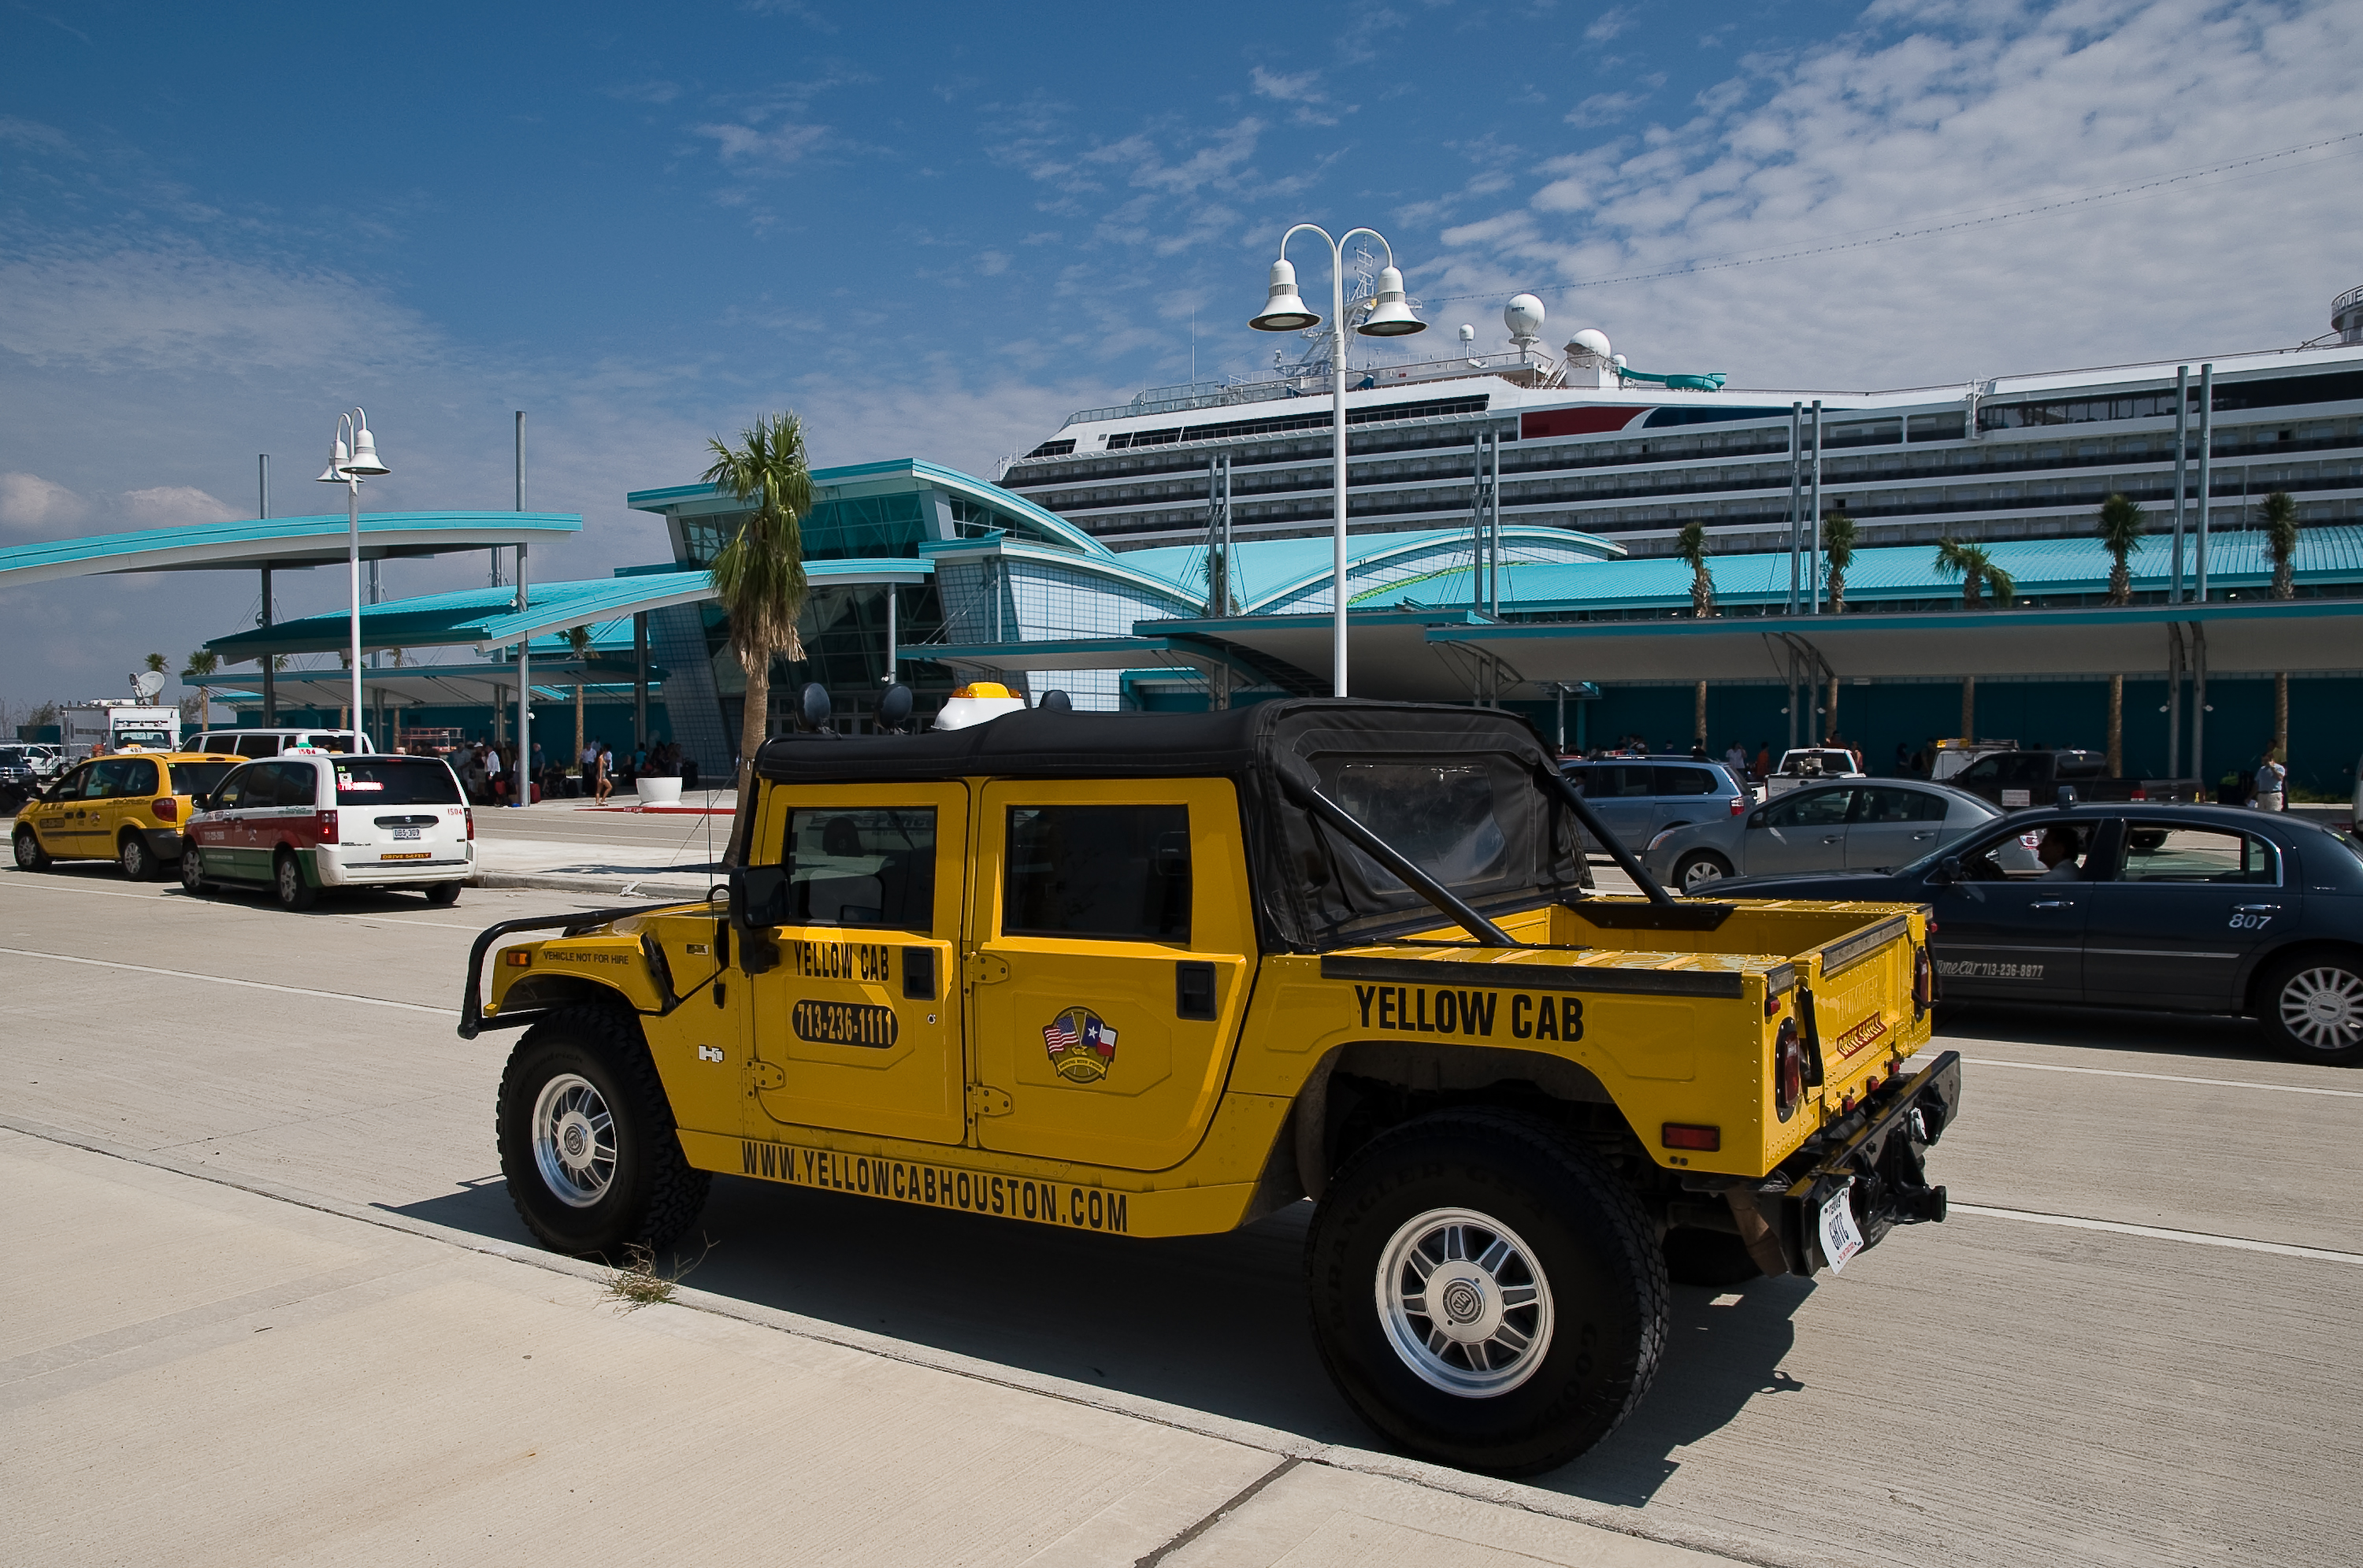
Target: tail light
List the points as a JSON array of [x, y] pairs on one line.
[[327, 827], [2141, 792], [166, 808], [1683, 1136], [1788, 1069], [471, 811], [1924, 981], [1738, 804]]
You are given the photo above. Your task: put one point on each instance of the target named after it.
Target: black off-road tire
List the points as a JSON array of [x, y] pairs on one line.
[[443, 895], [31, 855], [1591, 1240], [1712, 1258], [139, 863], [287, 884], [653, 1194], [1698, 862], [2332, 979]]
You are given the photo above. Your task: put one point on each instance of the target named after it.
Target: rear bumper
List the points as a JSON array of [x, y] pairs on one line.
[[330, 871], [165, 843], [1874, 1156]]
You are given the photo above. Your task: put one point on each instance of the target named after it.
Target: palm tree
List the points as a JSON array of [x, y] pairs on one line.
[[1977, 570], [578, 643], [201, 664], [1690, 546], [760, 574], [1838, 544], [2120, 526], [2280, 544]]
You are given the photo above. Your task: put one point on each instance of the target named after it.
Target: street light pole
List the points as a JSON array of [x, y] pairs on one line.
[[1390, 316], [348, 466]]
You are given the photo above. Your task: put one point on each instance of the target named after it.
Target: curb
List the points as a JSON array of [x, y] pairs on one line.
[[616, 887], [1281, 1444]]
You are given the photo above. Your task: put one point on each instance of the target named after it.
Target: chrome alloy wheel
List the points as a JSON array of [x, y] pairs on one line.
[[1464, 1303], [1699, 873], [2322, 1009], [574, 1140]]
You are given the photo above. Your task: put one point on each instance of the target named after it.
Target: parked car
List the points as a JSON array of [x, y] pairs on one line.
[[310, 820], [1638, 800], [2013, 780], [131, 810], [271, 742], [1871, 825], [1804, 765], [2181, 908]]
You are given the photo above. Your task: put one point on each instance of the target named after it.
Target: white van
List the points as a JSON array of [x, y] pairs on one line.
[[271, 742], [307, 821]]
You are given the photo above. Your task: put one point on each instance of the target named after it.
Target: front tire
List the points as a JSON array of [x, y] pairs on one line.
[[587, 1138], [287, 882], [31, 855], [138, 861], [1699, 867], [1485, 1292], [2311, 1006]]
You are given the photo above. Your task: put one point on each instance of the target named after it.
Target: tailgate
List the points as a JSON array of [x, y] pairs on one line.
[[1863, 1005]]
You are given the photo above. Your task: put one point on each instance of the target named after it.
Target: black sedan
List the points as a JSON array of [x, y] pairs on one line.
[[2192, 909]]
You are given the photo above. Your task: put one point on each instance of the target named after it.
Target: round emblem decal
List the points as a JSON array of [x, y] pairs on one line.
[[1081, 1045]]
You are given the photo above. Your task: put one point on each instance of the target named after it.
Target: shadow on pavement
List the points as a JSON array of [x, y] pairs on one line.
[[1213, 1323], [2111, 1028]]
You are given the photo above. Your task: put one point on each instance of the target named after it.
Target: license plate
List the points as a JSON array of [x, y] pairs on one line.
[[405, 833], [421, 855], [1840, 1238]]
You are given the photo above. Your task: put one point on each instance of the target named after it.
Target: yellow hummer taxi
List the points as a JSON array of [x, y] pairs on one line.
[[1157, 974]]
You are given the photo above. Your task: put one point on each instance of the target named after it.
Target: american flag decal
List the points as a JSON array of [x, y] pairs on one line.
[[1081, 1044], [1059, 1035]]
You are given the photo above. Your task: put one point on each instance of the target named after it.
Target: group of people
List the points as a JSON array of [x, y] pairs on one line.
[[487, 769]]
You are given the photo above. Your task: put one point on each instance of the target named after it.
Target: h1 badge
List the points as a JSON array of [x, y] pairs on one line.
[[1081, 1045]]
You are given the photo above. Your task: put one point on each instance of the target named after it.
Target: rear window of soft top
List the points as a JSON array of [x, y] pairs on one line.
[[396, 782]]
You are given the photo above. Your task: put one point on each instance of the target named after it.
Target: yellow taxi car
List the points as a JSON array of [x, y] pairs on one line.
[[129, 807]]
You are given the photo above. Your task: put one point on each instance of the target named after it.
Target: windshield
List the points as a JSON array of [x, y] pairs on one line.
[[199, 778], [392, 781], [143, 737]]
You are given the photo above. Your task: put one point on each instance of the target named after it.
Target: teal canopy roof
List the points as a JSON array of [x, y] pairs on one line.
[[279, 542], [483, 618]]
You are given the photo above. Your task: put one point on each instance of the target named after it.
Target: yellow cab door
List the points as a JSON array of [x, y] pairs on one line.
[[1111, 936], [855, 1025]]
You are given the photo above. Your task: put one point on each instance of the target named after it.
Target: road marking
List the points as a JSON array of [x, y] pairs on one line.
[[164, 896], [2195, 1238], [2165, 1078], [225, 980]]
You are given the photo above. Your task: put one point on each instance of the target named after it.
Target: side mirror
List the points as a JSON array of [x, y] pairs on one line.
[[758, 897], [201, 802], [1948, 870]]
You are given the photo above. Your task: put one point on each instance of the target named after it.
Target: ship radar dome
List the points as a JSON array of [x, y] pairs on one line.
[[1523, 316], [1591, 341]]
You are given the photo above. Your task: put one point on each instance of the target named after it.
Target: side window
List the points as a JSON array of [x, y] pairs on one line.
[[1984, 770], [862, 865], [261, 786], [82, 784], [1819, 808], [299, 783], [232, 793], [1110, 873], [258, 746], [119, 777], [1882, 804], [1624, 782], [2196, 854], [1684, 782]]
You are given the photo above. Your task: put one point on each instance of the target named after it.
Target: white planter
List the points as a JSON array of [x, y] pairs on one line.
[[659, 791]]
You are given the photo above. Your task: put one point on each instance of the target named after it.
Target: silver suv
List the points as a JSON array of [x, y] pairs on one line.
[[1639, 797]]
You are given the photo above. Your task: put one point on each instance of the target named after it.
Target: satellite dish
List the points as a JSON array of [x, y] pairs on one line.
[[1056, 703], [812, 706], [1468, 333], [148, 683], [1591, 341], [1523, 316], [895, 708]]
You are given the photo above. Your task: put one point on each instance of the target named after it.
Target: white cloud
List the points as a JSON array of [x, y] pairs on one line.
[[1604, 108], [167, 505], [1300, 88], [30, 502], [1610, 22], [1934, 111], [781, 144]]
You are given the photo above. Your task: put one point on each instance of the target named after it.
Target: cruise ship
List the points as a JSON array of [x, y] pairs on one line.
[[1578, 439]]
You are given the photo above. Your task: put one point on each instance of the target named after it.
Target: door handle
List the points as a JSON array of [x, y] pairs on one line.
[[1834, 838], [2255, 909], [1918, 836], [2054, 904]]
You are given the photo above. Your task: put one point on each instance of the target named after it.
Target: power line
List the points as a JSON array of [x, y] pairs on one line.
[[2037, 211]]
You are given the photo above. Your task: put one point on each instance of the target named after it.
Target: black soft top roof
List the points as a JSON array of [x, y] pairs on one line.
[[1312, 889]]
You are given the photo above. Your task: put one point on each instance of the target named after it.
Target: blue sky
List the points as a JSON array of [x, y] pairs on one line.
[[933, 230]]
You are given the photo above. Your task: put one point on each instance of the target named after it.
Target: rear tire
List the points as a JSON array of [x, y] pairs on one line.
[[287, 882], [138, 861], [2312, 1008], [1552, 1315], [443, 895], [31, 855], [587, 1138], [1699, 867], [192, 872]]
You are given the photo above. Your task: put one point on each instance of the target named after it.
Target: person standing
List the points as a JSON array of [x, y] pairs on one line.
[[603, 770], [2272, 785]]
